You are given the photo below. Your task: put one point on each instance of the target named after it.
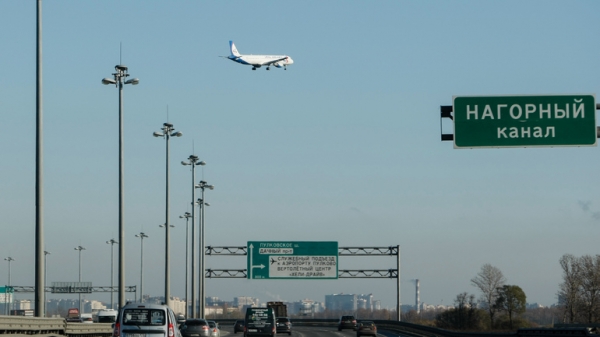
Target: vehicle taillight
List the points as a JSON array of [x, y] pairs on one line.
[[171, 331], [205, 327], [117, 331]]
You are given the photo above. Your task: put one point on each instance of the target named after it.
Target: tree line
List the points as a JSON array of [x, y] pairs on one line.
[[579, 293]]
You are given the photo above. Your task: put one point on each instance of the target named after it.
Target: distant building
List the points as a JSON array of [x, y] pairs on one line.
[[244, 301], [365, 302], [341, 302]]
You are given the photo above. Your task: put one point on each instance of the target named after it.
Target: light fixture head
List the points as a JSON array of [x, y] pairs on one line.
[[176, 134], [121, 67], [183, 162], [158, 134], [107, 81], [134, 81], [202, 163]]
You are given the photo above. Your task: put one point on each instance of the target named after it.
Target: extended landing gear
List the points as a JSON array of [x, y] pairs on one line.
[[253, 68], [268, 68]]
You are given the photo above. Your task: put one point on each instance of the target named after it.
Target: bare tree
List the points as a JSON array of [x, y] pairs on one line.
[[488, 280], [590, 287], [568, 295]]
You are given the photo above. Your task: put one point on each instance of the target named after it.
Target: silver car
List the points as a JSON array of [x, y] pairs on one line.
[[215, 331], [195, 327], [146, 320]]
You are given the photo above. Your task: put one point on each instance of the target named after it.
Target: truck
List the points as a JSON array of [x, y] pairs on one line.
[[260, 322], [279, 308], [73, 315], [106, 316]]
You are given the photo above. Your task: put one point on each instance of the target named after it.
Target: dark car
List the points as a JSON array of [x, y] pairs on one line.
[[195, 328], [238, 326], [347, 322], [284, 325], [366, 328]]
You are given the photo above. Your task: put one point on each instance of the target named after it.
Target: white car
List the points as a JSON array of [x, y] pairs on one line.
[[215, 331]]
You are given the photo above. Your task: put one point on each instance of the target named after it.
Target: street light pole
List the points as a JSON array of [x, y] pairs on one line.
[[79, 248], [202, 185], [7, 293], [119, 75], [193, 161], [46, 253], [167, 132], [112, 278], [142, 235], [187, 217]]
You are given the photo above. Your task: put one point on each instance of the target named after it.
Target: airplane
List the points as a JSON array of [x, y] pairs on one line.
[[257, 61]]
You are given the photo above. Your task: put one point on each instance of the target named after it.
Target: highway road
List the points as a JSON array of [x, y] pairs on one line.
[[305, 331]]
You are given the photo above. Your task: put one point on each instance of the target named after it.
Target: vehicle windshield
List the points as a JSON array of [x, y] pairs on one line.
[[142, 316]]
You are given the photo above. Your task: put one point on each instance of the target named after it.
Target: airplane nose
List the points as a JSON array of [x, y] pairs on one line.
[[290, 61]]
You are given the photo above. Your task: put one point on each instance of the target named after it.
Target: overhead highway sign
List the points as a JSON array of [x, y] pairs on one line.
[[292, 260], [524, 121]]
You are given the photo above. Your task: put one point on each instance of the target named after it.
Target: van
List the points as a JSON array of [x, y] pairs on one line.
[[106, 316], [260, 322], [146, 320]]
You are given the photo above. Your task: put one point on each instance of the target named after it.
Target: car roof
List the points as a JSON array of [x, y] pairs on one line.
[[145, 305]]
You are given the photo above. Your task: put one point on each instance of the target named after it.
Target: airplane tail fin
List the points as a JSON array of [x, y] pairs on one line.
[[233, 50]]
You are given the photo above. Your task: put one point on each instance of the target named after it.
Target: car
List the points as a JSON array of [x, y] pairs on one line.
[[86, 318], [284, 324], [366, 328], [215, 331], [347, 322], [74, 320], [238, 326], [195, 327], [148, 320]]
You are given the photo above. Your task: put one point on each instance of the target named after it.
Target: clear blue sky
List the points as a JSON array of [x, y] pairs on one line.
[[343, 146]]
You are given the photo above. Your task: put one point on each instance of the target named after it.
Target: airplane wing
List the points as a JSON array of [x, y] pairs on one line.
[[274, 61]]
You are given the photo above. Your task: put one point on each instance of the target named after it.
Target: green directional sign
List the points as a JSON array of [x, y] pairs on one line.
[[524, 121], [308, 260]]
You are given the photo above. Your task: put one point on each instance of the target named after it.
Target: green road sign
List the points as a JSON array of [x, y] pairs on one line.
[[308, 260], [524, 121]]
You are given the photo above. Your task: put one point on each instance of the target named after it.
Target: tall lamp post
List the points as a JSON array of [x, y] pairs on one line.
[[119, 76], [142, 235], [79, 248], [46, 253], [111, 242], [202, 185], [193, 161], [186, 216], [168, 131], [7, 294]]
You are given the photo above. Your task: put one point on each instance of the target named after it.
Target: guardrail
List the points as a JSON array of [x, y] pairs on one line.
[[48, 327]]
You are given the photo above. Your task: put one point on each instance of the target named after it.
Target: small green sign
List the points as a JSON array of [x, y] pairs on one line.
[[524, 121], [307, 260]]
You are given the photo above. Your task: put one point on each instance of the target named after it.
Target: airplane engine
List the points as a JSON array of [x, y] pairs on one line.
[[278, 65]]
